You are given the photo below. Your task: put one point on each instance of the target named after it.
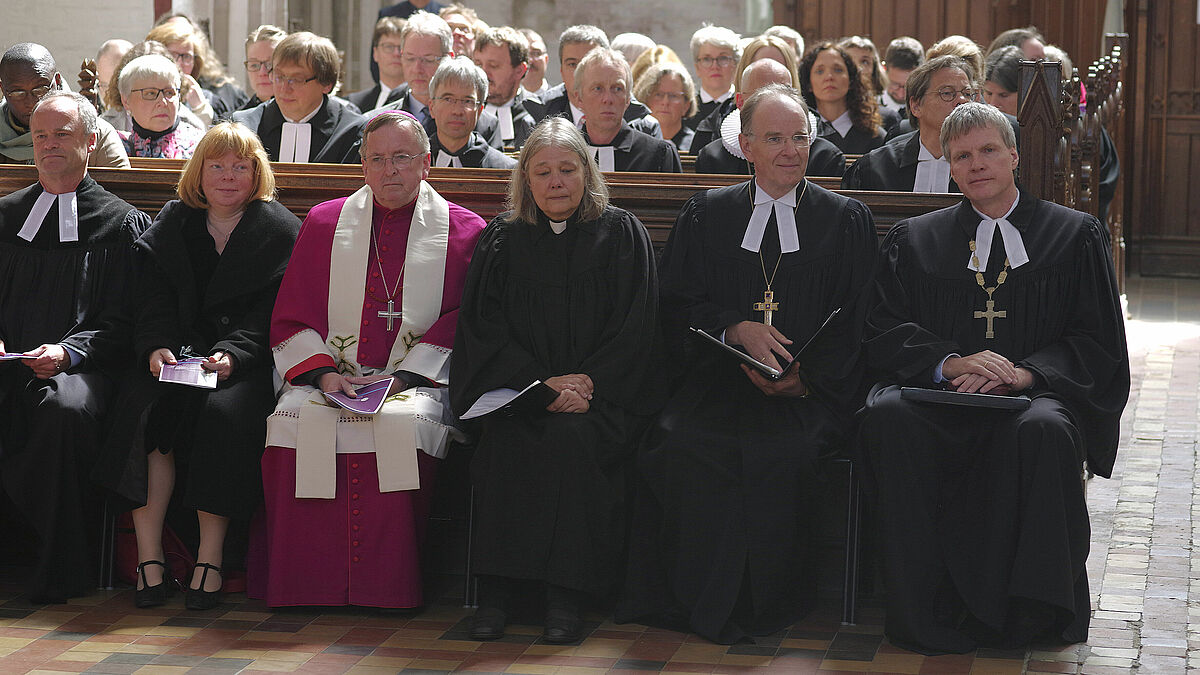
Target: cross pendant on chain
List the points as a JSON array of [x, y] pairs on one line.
[[767, 306], [991, 314], [391, 314]]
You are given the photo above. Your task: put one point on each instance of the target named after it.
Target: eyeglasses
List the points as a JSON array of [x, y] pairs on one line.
[[388, 47], [672, 96], [776, 140], [152, 93], [537, 53], [254, 66], [183, 58], [949, 95], [458, 102], [425, 60], [279, 80], [400, 161], [21, 94], [723, 61]]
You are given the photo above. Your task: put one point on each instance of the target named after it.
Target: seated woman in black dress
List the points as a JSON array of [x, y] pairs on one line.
[[834, 87], [211, 265], [561, 298]]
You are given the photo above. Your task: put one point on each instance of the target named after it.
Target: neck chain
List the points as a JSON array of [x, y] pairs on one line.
[[1000, 278], [768, 306], [391, 292], [771, 280]]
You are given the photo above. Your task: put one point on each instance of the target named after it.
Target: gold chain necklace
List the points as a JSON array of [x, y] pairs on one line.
[[990, 314], [768, 306]]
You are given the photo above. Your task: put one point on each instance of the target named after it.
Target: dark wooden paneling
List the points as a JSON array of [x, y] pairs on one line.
[[1075, 25], [1163, 130]]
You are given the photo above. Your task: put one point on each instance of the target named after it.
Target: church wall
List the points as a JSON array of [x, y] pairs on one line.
[[73, 30]]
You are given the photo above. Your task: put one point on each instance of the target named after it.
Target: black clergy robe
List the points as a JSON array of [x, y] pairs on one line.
[[984, 528], [908, 125], [487, 125], [550, 487], [706, 110], [476, 154], [365, 99], [554, 103], [709, 128], [857, 141], [636, 151], [824, 159], [71, 293], [727, 475], [891, 166], [335, 131]]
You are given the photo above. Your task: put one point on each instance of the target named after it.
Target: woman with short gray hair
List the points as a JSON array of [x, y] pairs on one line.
[[560, 304], [149, 87]]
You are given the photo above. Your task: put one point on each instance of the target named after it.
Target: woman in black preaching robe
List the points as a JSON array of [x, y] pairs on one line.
[[562, 291], [211, 266], [728, 475]]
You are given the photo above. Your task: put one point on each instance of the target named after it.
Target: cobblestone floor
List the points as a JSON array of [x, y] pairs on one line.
[[1141, 568]]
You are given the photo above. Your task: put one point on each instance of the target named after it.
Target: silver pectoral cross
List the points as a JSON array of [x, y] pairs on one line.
[[767, 306], [990, 315], [390, 314]]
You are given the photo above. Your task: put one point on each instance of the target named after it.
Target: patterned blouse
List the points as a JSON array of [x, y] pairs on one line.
[[178, 142]]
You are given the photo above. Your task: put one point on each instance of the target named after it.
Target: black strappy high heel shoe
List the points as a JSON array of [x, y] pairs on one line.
[[198, 598], [156, 595]]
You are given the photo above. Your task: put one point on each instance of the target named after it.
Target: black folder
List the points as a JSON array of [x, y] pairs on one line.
[[948, 397]]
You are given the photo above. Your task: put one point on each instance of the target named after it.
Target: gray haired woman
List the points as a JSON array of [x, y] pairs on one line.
[[560, 304]]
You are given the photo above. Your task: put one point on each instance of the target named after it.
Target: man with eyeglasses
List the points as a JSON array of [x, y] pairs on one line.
[[715, 52], [459, 88], [902, 56], [562, 101], [370, 296], [303, 123], [503, 54], [721, 539], [386, 50], [724, 154], [67, 271], [27, 73], [913, 162]]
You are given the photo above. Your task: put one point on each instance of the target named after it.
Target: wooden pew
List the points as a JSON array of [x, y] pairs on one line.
[[655, 198]]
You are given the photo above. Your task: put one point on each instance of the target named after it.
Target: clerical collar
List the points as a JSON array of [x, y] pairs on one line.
[[731, 126], [143, 132], [68, 216], [558, 226], [1014, 244], [705, 97], [448, 158], [576, 114], [933, 173], [785, 219], [505, 114], [842, 124], [295, 140]]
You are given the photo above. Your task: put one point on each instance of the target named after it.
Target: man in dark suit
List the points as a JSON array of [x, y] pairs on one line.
[[385, 52]]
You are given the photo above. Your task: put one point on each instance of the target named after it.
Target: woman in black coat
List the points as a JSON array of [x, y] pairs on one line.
[[211, 265]]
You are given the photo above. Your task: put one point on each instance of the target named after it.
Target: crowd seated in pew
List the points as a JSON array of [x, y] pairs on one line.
[[657, 199]]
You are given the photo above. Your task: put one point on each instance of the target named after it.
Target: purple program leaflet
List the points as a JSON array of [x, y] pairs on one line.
[[370, 398]]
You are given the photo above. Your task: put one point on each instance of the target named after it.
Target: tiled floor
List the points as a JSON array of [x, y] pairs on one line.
[[1141, 570]]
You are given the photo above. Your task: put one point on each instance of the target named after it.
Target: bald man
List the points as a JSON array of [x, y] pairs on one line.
[[27, 73], [107, 60], [723, 155]]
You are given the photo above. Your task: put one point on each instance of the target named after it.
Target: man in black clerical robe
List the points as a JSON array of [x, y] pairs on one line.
[[983, 525], [633, 150], [728, 475], [476, 154], [891, 166], [63, 284], [335, 130]]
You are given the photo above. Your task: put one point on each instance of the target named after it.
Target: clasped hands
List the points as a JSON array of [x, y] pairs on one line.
[[986, 372], [331, 382], [764, 343], [219, 362], [574, 393], [51, 360]]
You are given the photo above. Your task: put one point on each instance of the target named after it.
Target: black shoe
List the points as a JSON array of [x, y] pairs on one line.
[[487, 624], [156, 595], [563, 627], [198, 598]]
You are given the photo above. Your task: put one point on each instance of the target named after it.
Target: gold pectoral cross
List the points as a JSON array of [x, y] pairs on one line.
[[767, 306], [991, 314], [390, 314]]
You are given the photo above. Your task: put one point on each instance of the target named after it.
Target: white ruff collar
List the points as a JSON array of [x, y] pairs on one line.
[[68, 216]]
